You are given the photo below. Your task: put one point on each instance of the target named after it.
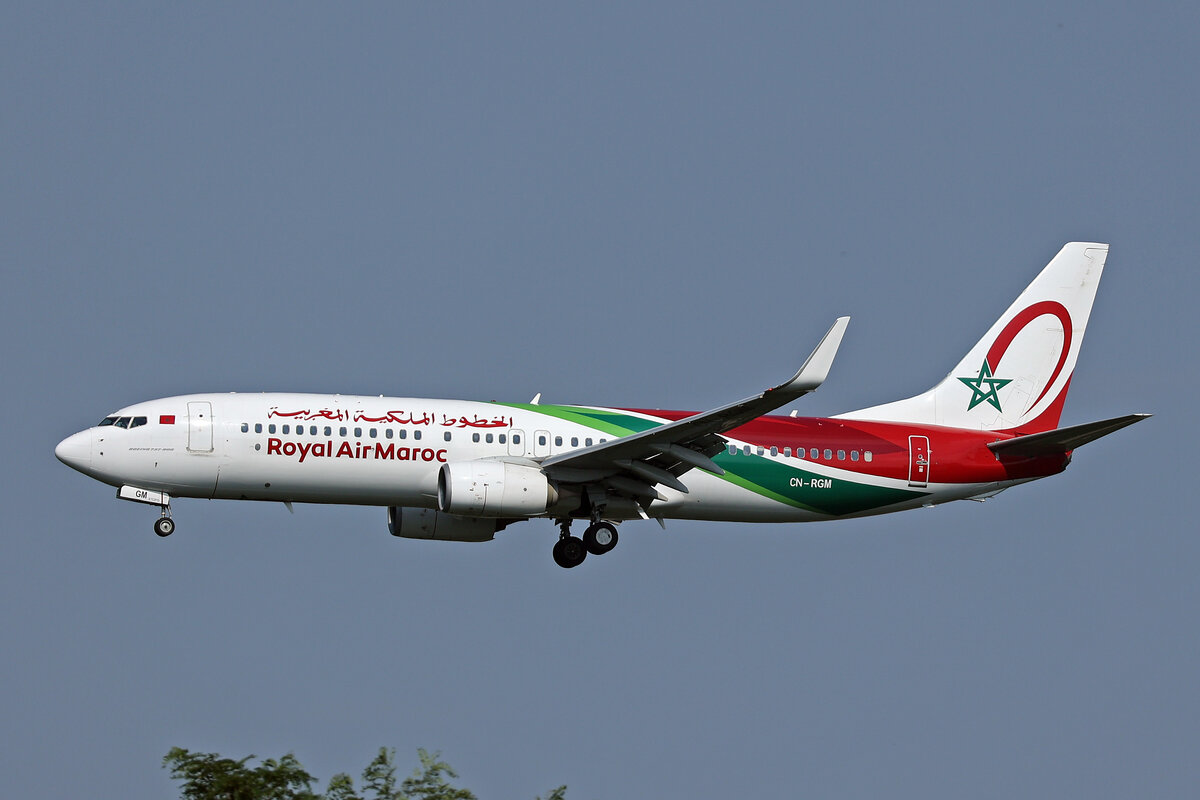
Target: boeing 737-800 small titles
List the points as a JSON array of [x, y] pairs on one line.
[[462, 471]]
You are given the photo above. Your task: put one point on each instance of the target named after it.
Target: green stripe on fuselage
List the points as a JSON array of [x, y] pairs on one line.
[[782, 482], [611, 422], [801, 488]]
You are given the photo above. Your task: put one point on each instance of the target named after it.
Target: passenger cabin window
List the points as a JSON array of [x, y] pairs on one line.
[[373, 433], [387, 433], [868, 455], [358, 433], [517, 439], [574, 440], [828, 455], [403, 434], [814, 454], [774, 451], [587, 442], [854, 455], [245, 427], [733, 449], [541, 440], [760, 450], [258, 427], [341, 431], [787, 452], [841, 455], [416, 434], [328, 430], [488, 438], [474, 437], [558, 441], [285, 429], [446, 436], [271, 428], [503, 438]]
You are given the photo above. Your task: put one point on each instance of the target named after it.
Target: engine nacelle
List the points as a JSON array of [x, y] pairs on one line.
[[494, 489], [426, 523]]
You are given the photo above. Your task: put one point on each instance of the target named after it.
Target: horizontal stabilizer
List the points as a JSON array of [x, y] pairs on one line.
[[1062, 440]]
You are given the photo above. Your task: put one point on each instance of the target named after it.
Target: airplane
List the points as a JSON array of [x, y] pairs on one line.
[[463, 470]]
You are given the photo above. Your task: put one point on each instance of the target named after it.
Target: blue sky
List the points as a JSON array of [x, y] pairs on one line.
[[619, 205]]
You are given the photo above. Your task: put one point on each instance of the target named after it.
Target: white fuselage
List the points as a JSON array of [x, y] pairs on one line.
[[381, 451]]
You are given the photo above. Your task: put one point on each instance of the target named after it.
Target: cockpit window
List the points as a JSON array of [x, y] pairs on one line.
[[107, 421], [122, 422], [137, 422]]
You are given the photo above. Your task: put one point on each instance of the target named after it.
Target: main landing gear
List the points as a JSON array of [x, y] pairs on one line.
[[598, 539]]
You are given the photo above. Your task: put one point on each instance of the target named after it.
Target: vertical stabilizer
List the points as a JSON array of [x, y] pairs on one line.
[[1016, 377]]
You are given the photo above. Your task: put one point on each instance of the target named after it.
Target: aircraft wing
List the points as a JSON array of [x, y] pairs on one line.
[[633, 464]]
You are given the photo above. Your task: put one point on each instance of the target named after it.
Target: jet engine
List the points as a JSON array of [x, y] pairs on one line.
[[494, 489], [426, 523]]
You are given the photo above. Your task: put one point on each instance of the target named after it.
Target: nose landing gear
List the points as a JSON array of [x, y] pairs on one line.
[[164, 526]]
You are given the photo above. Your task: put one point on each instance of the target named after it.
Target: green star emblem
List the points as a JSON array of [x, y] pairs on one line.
[[981, 394]]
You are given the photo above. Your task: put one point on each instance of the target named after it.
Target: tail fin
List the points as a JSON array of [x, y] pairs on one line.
[[1016, 377]]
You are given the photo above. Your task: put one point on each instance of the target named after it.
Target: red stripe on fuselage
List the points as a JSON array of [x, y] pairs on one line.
[[957, 455]]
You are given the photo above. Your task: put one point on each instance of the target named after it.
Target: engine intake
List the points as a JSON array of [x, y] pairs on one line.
[[494, 489]]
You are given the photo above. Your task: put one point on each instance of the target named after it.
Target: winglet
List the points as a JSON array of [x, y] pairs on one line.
[[816, 366]]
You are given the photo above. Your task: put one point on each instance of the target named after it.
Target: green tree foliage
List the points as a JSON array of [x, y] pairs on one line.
[[428, 781], [380, 775], [208, 776]]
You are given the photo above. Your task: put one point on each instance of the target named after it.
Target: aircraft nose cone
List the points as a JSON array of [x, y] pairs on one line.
[[76, 450]]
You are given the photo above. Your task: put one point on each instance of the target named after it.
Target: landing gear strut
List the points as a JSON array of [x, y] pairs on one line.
[[598, 539], [164, 525]]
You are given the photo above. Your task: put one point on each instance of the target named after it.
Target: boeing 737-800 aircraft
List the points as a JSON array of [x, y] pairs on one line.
[[463, 470]]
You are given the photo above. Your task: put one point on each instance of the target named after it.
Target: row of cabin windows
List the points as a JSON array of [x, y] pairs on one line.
[[389, 433], [814, 454], [542, 439], [488, 438]]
